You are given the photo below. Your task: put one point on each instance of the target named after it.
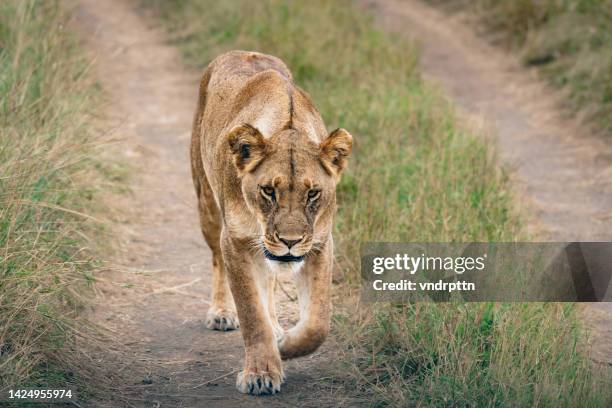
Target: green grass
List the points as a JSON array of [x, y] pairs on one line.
[[416, 175], [473, 355], [48, 186], [569, 40]]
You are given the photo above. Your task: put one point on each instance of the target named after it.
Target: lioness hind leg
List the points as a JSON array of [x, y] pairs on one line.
[[222, 312], [276, 327]]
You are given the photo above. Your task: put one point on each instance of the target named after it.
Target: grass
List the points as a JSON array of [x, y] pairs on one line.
[[416, 175], [48, 185], [569, 40]]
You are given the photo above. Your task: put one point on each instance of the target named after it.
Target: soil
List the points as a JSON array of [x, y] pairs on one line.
[[155, 296], [562, 169]]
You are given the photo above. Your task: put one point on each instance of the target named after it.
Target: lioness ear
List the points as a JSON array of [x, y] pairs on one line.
[[248, 147], [335, 150]]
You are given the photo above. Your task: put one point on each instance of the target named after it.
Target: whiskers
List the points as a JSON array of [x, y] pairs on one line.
[[315, 249], [255, 245], [258, 246]]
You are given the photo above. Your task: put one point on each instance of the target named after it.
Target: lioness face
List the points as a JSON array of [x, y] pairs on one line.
[[289, 184]]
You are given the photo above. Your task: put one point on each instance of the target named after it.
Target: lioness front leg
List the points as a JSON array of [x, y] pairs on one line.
[[263, 371], [313, 283]]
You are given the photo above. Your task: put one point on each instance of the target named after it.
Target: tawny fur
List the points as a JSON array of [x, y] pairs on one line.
[[265, 172]]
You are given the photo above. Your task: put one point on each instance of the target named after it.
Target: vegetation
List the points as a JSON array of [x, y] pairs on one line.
[[569, 40], [416, 175], [47, 184]]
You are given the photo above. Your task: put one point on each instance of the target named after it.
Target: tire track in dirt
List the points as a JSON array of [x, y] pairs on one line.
[[155, 298], [562, 171]]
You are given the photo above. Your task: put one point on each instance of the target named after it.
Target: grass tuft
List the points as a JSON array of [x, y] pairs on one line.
[[47, 190]]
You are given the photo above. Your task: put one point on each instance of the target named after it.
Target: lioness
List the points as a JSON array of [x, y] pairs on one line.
[[265, 173]]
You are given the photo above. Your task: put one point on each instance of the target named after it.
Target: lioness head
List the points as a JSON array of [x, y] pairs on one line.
[[289, 184]]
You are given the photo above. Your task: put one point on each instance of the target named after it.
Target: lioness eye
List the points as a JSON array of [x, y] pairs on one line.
[[268, 191], [314, 194]]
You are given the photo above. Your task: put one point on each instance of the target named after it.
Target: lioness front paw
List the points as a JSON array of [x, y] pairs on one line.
[[258, 383], [222, 319], [261, 377]]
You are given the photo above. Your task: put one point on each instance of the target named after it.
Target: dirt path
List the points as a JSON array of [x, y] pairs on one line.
[[564, 174], [155, 298]]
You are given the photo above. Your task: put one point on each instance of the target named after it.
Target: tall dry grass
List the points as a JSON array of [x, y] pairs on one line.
[[48, 185]]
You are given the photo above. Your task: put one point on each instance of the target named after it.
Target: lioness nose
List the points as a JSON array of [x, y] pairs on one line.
[[290, 241]]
